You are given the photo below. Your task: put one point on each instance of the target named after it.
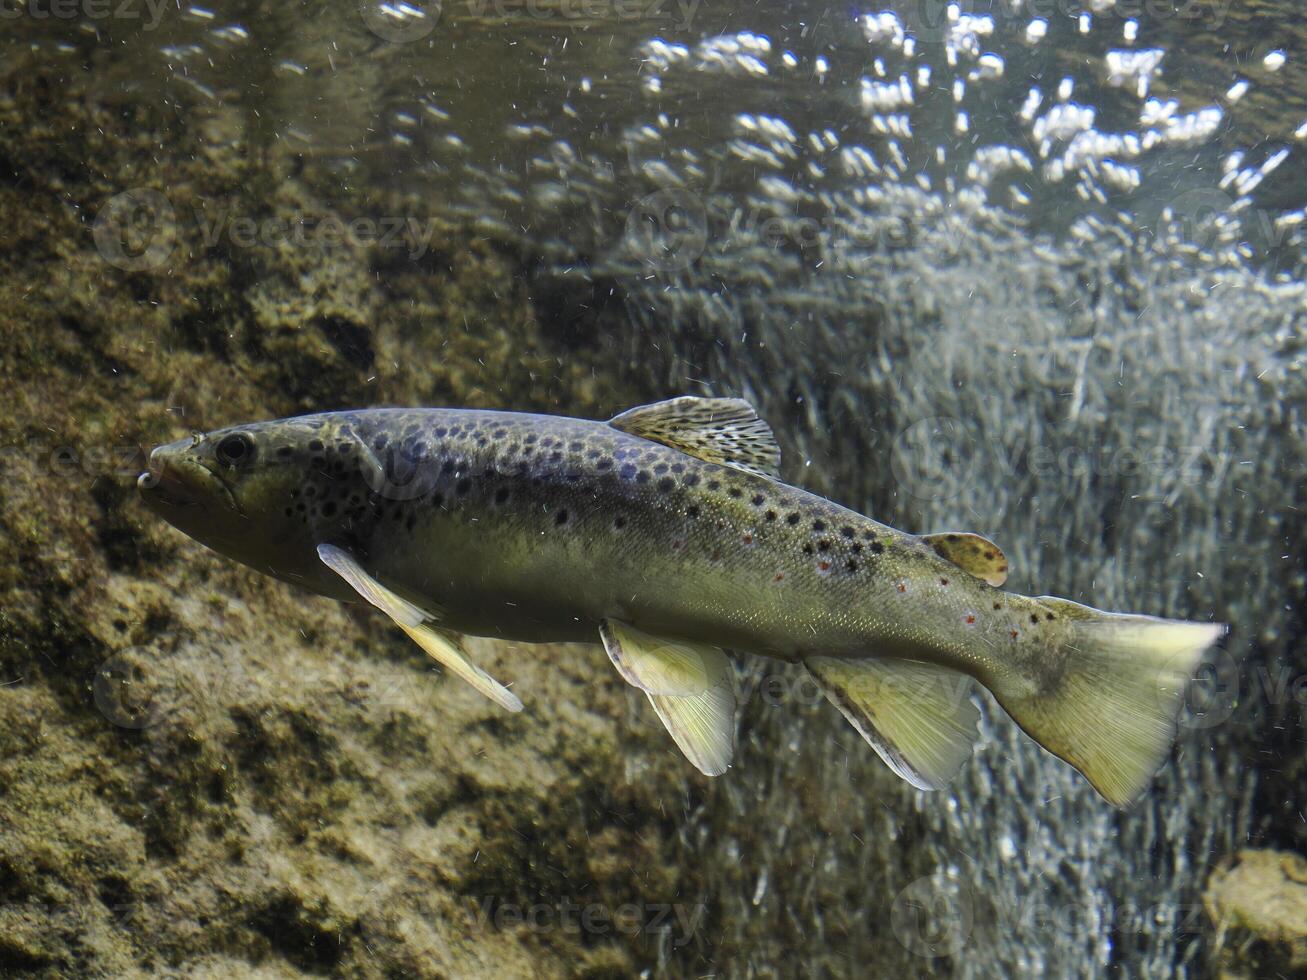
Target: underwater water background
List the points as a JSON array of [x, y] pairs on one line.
[[1029, 269]]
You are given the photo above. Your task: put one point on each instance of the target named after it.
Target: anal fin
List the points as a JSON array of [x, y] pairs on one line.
[[441, 645], [690, 685], [917, 716]]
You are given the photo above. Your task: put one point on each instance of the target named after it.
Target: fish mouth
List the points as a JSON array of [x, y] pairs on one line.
[[175, 478]]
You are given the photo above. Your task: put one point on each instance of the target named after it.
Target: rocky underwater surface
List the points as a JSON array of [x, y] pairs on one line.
[[204, 772]]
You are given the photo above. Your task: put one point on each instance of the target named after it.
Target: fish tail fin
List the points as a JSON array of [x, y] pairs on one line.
[[1113, 695]]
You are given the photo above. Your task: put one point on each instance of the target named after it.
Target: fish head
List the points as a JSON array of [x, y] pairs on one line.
[[235, 489]]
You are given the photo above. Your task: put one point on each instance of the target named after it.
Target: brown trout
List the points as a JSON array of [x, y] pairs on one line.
[[667, 535]]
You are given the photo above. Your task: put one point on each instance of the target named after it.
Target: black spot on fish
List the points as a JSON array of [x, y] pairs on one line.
[[877, 547], [619, 522], [792, 519], [1048, 616], [660, 468], [501, 495], [285, 452], [462, 487], [560, 518], [759, 500], [846, 531], [593, 454], [807, 549], [642, 476], [692, 512], [998, 605], [819, 526], [666, 484], [852, 565], [531, 438], [315, 445], [770, 515], [823, 545], [604, 464], [678, 467], [329, 509], [714, 485], [1034, 618], [437, 500], [691, 479], [736, 492], [857, 548]]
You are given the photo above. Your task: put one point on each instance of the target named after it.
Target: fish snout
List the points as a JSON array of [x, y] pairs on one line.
[[167, 469]]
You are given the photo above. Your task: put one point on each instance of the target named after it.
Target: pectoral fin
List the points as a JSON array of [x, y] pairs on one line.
[[918, 717], [692, 687], [442, 646], [973, 554]]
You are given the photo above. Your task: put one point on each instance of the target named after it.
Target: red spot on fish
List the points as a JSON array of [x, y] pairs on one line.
[[779, 576], [971, 618], [943, 581], [824, 566], [1013, 634], [747, 539], [902, 587]]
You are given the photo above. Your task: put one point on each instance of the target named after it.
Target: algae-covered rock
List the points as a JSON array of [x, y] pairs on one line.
[[205, 772], [1258, 905]]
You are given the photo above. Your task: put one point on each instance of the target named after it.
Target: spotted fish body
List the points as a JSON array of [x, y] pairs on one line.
[[666, 533]]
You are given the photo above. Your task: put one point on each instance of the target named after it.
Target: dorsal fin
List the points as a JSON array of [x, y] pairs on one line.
[[717, 430], [973, 554]]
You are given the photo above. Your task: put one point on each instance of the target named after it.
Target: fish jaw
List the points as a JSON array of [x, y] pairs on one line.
[[185, 486]]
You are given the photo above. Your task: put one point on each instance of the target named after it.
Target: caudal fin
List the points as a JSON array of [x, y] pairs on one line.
[[1113, 693]]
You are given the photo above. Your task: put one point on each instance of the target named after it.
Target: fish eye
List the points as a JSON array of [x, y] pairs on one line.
[[236, 449]]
